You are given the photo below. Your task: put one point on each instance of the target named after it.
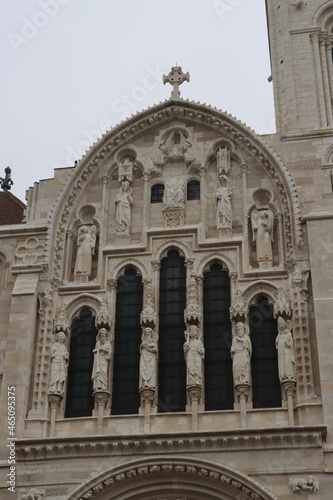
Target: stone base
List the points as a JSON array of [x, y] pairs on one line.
[[265, 264], [81, 278], [224, 232], [122, 238]]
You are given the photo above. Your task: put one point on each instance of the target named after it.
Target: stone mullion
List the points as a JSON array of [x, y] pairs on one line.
[[146, 201], [324, 69], [245, 250], [112, 288], [103, 229], [280, 239], [69, 246]]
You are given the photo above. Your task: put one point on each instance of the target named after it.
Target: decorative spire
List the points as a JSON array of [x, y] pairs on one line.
[[6, 182], [176, 77]]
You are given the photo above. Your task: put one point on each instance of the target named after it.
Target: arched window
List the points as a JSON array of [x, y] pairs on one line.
[[219, 393], [79, 402], [193, 190], [172, 371], [264, 365], [125, 392], [157, 192]]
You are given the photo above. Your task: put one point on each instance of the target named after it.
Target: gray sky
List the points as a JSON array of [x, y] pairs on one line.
[[72, 69]]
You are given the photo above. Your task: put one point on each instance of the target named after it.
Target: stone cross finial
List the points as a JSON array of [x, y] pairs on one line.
[[176, 77]]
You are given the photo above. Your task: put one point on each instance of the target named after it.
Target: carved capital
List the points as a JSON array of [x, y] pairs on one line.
[[101, 397], [194, 393], [104, 180], [289, 387], [111, 284], [54, 400], [147, 395], [155, 265], [242, 391]]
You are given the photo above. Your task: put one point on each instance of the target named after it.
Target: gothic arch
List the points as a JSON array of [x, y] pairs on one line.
[[147, 478], [192, 114], [83, 300], [162, 250], [119, 268], [259, 287], [203, 265]]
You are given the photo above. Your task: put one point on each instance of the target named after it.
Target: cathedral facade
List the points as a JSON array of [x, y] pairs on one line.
[[165, 306]]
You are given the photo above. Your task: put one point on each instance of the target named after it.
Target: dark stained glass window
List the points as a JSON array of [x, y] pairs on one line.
[[264, 364], [172, 370], [125, 392], [79, 401], [157, 192], [219, 393], [193, 190]]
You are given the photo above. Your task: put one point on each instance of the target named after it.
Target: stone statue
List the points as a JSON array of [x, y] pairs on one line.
[[148, 358], [286, 354], [31, 494], [86, 242], [262, 231], [310, 484], [194, 352], [124, 201], [174, 194], [59, 365], [102, 356], [241, 350], [224, 211]]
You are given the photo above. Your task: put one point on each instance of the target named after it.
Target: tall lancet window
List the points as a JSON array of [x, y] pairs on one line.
[[125, 391], [219, 394], [79, 387], [264, 364], [172, 371]]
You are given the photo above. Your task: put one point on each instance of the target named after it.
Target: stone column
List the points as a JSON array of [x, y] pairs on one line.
[[329, 63], [194, 395], [146, 198], [289, 387], [327, 95], [68, 260], [280, 239], [54, 402], [242, 391], [147, 396], [319, 78], [101, 398]]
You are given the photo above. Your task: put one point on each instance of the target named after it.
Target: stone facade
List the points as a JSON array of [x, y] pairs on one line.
[[186, 178]]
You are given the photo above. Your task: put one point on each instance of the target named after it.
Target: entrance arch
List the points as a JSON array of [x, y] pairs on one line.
[[172, 478]]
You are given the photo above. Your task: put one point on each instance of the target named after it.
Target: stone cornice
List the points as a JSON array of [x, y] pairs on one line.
[[103, 445]]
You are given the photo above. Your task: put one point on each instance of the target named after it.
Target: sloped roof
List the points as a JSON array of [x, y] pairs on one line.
[[11, 209]]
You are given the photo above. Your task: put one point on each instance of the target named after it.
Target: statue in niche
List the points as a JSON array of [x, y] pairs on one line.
[[59, 365], [124, 201], [148, 358], [86, 242], [174, 194], [262, 231], [241, 350], [285, 348], [102, 356], [224, 210], [194, 352]]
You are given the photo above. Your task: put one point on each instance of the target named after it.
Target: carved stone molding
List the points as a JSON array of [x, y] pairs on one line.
[[200, 473], [301, 437], [148, 315], [61, 321], [238, 308], [147, 396], [282, 304], [30, 252], [54, 400], [192, 313], [101, 397], [174, 217], [194, 393]]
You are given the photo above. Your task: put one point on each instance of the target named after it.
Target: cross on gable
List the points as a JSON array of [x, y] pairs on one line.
[[176, 77]]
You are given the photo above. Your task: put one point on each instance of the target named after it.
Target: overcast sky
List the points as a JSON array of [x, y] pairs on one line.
[[73, 69]]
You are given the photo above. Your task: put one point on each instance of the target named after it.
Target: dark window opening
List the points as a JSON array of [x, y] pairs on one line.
[[219, 392], [193, 190], [125, 392], [172, 370], [157, 192], [79, 402], [264, 364]]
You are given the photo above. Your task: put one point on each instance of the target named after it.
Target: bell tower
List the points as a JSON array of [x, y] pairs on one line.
[[301, 48]]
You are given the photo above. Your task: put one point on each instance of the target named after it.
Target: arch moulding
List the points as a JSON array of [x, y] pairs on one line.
[[192, 114], [171, 477]]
